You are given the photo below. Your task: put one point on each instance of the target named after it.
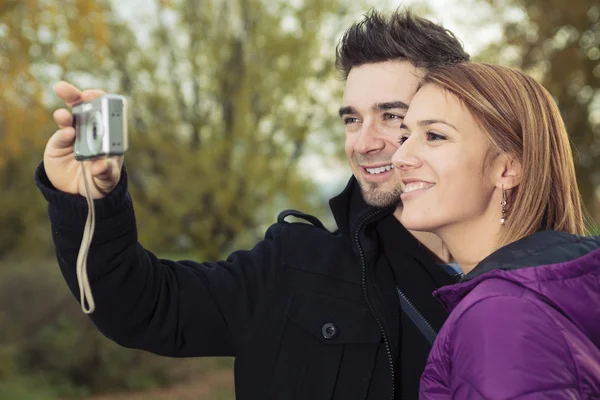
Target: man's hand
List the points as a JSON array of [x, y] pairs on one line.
[[61, 167]]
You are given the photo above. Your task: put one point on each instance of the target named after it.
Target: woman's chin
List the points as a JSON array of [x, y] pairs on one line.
[[416, 222]]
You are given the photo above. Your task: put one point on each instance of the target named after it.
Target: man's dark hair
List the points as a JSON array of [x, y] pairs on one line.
[[402, 36]]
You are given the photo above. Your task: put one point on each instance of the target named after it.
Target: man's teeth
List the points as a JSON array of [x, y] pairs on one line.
[[380, 169], [411, 187]]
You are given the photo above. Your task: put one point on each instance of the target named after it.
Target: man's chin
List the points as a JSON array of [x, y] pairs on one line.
[[379, 197]]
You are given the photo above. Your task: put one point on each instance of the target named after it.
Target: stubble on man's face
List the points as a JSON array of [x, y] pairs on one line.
[[381, 194], [377, 193]]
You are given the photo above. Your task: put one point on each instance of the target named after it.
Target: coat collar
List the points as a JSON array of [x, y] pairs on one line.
[[350, 209], [562, 269]]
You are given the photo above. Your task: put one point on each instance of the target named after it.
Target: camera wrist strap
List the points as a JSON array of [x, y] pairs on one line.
[[85, 290]]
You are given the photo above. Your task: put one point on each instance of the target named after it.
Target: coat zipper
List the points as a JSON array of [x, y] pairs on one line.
[[417, 317], [363, 263]]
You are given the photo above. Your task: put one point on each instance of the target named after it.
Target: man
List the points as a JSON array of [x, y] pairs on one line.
[[308, 314]]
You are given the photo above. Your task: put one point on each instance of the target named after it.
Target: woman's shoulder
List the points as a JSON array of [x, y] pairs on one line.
[[561, 292], [496, 294], [510, 332], [503, 311]]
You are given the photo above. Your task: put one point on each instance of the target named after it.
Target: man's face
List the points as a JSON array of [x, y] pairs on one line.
[[375, 101]]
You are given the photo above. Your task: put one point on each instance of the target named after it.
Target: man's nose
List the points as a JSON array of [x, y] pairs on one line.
[[370, 140]]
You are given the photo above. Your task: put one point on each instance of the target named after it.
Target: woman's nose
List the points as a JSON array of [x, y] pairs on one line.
[[404, 158]]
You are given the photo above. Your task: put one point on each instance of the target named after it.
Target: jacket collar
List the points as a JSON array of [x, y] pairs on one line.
[[534, 262], [544, 247], [350, 209]]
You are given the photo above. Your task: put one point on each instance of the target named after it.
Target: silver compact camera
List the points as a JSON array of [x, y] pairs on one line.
[[100, 127]]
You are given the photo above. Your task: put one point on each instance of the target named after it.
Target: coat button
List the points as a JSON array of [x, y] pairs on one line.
[[330, 331]]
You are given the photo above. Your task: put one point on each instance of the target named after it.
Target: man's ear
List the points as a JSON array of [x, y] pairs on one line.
[[509, 172]]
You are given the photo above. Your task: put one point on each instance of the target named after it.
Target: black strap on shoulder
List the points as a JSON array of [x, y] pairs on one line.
[[416, 317], [298, 214]]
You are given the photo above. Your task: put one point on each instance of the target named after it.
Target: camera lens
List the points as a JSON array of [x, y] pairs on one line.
[[94, 133]]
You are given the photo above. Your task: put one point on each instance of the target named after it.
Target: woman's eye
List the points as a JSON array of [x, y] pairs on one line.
[[402, 139], [435, 136]]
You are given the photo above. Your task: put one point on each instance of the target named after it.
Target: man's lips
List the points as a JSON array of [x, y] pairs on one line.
[[378, 169]]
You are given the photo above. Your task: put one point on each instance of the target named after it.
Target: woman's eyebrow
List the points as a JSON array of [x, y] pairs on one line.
[[427, 122]]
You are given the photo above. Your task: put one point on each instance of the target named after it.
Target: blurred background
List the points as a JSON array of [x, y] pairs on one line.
[[233, 118]]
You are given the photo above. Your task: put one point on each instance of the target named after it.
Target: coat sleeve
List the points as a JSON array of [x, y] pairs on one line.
[[511, 348], [176, 309]]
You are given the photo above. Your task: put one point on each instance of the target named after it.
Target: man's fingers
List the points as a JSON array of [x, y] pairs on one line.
[[106, 169], [91, 94], [63, 118], [68, 93], [73, 96], [100, 168], [62, 139], [106, 173]]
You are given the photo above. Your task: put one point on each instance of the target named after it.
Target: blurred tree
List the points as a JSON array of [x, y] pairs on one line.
[[559, 43], [224, 100], [35, 36]]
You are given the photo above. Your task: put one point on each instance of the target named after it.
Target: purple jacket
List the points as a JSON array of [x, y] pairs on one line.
[[524, 324]]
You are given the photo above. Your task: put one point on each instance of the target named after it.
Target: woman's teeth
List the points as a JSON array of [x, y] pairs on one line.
[[411, 187]]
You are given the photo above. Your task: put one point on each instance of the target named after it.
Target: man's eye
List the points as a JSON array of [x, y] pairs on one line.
[[350, 120], [392, 116]]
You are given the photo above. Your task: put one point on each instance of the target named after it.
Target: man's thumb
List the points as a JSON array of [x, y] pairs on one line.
[[62, 138]]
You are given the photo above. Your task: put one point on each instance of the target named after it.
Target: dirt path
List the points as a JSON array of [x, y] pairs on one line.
[[215, 385]]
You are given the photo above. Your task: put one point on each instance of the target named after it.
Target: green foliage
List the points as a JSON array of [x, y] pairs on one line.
[[47, 343], [30, 32], [26, 388], [226, 98], [36, 37], [221, 119]]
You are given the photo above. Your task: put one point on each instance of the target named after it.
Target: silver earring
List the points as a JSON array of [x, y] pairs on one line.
[[503, 204]]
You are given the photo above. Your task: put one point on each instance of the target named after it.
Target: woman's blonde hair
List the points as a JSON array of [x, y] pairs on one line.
[[522, 121]]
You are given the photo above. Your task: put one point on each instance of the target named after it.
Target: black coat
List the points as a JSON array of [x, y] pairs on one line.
[[307, 313]]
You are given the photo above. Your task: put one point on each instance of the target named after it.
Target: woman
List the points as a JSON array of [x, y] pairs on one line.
[[486, 165]]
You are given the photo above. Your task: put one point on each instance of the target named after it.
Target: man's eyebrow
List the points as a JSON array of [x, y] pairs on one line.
[[426, 122], [347, 110], [390, 105], [385, 106]]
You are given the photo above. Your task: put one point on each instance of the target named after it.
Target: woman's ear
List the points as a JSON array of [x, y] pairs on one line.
[[509, 172]]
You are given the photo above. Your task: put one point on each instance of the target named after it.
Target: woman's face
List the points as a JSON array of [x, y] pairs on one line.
[[441, 160]]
